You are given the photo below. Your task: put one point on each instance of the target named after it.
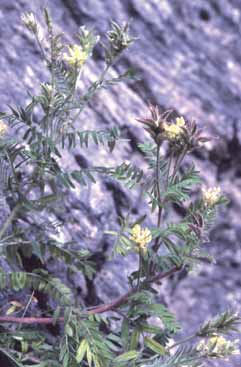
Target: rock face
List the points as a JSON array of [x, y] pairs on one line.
[[188, 59]]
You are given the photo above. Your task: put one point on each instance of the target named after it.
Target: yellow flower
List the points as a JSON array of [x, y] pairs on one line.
[[211, 195], [174, 131], [218, 343], [218, 346], [180, 121], [76, 56], [3, 128], [141, 237]]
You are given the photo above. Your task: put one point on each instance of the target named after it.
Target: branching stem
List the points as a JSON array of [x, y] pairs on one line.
[[95, 310]]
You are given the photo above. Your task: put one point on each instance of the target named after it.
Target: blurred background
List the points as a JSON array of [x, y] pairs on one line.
[[188, 58]]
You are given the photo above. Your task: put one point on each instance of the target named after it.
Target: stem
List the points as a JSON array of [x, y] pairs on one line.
[[27, 306], [49, 112], [9, 220], [175, 170], [177, 165], [40, 47], [97, 84], [168, 171], [12, 215], [158, 185], [156, 245], [29, 320], [14, 243], [13, 170], [69, 98], [160, 276], [191, 359], [91, 94], [95, 310], [157, 242], [187, 339], [139, 271]]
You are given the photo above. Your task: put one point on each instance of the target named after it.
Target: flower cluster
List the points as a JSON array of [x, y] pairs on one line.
[[3, 128], [211, 196], [76, 56], [141, 236], [174, 131], [218, 346], [182, 135]]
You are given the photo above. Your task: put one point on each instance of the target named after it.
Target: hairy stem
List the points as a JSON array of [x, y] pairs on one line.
[[158, 178], [157, 242]]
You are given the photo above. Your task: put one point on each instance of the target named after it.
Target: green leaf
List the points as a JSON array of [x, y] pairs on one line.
[[125, 331], [89, 355], [154, 346], [127, 356], [135, 336], [150, 328], [81, 350], [160, 311]]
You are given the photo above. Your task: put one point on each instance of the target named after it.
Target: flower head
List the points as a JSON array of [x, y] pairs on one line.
[[211, 195], [218, 346], [3, 128], [28, 18], [29, 21], [141, 236], [174, 131], [154, 123], [119, 39], [76, 56]]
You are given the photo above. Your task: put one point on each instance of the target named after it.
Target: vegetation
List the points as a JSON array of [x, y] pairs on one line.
[[139, 331]]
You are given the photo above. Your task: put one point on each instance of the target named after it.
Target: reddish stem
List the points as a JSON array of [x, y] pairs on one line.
[[97, 309]]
